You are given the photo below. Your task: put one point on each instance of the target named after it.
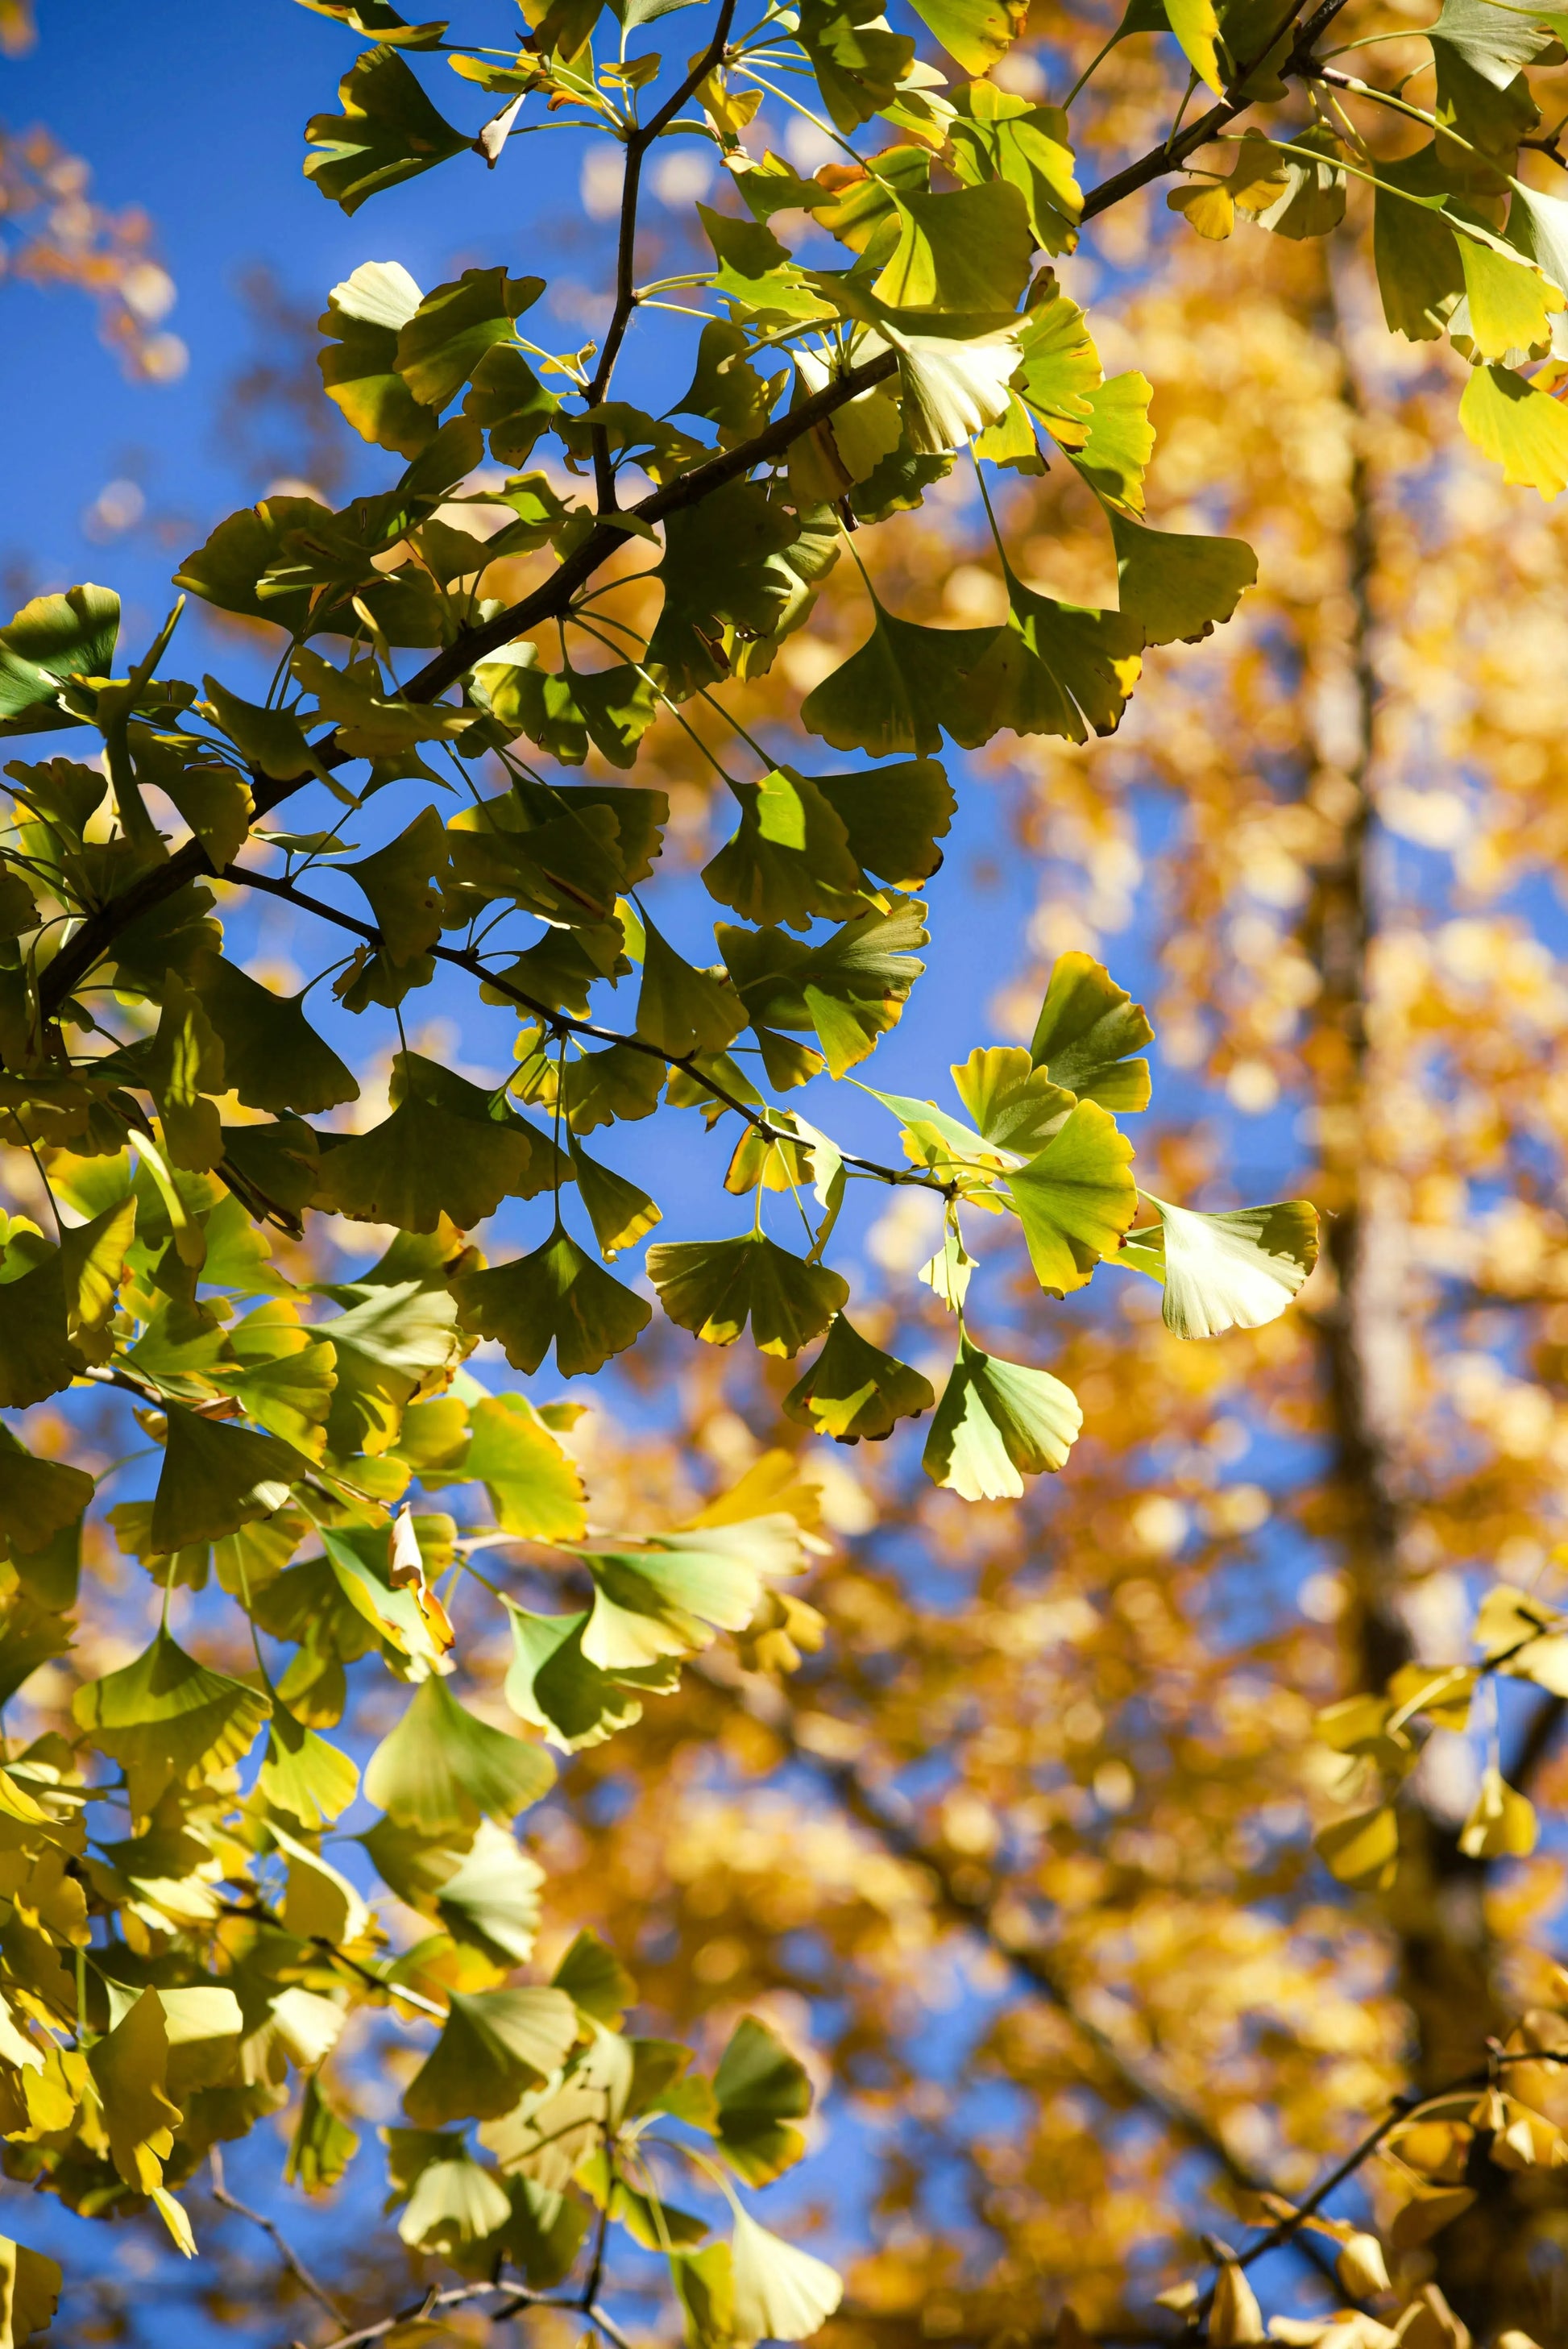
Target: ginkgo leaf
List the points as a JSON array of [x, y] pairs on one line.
[[454, 2202], [667, 1599], [899, 691], [38, 1498], [1087, 1029], [533, 1486], [51, 638], [560, 1297], [304, 1774], [977, 33], [216, 1478], [322, 2144], [620, 1212], [30, 2286], [595, 1981], [968, 251], [998, 133], [411, 1619], [1363, 1849], [452, 328], [952, 386], [1502, 1823], [997, 1422], [1521, 429], [1176, 584], [853, 1390], [128, 2067], [1074, 1198], [388, 131], [713, 1287], [790, 859], [552, 1683], [759, 2088], [1506, 308], [894, 818], [1014, 1104], [681, 1009], [403, 885], [1197, 28], [781, 2293], [493, 2045], [168, 1720], [357, 362], [412, 1169], [1235, 1270], [442, 1769], [1053, 668]]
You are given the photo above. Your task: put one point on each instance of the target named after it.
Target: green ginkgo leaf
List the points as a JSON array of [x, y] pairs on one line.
[[486, 1895], [894, 818], [997, 134], [403, 883], [1087, 1029], [557, 1295], [358, 362], [50, 639], [304, 1774], [273, 1058], [681, 1009], [997, 1422], [168, 1720], [388, 131], [790, 859], [857, 60], [322, 2144], [553, 1684], [759, 2088], [1014, 1104], [216, 1478], [896, 694], [1176, 584], [533, 1486], [1235, 1270], [442, 343], [849, 989], [595, 1981], [493, 2046], [667, 1599], [781, 2293], [967, 251], [1074, 1198], [454, 2203], [620, 1212], [1521, 429], [38, 1498], [448, 1148], [1053, 669], [714, 1287], [853, 1390], [977, 33], [442, 1769]]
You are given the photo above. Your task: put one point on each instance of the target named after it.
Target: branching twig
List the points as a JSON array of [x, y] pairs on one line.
[[285, 2251]]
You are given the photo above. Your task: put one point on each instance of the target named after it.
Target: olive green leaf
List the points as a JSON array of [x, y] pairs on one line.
[[1074, 1198], [271, 740], [680, 1010], [36, 1357], [1087, 1029], [552, 1683], [1176, 584], [558, 1296], [1498, 42], [455, 2202], [854, 1390], [667, 1598], [998, 135], [322, 2144], [1414, 250], [388, 131], [900, 690], [893, 817], [403, 885], [450, 331], [216, 1478], [723, 567], [618, 1083], [704, 2284], [595, 1981], [1236, 1270], [724, 391], [1521, 429], [405, 1614], [288, 1376], [759, 2088], [182, 1067], [967, 252], [38, 1498], [858, 61], [1013, 1103], [371, 722], [485, 1894], [378, 22], [714, 1287], [304, 1774], [997, 1422], [448, 1148], [50, 639], [620, 1212], [168, 1720], [850, 989], [1059, 369], [1053, 668], [358, 367], [273, 1058], [790, 859], [493, 2045], [533, 1486], [1114, 456], [393, 1337], [442, 1769], [780, 2293]]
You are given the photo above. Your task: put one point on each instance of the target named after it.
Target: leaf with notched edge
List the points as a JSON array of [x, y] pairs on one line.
[[558, 1296], [998, 1422], [853, 1390], [714, 1287]]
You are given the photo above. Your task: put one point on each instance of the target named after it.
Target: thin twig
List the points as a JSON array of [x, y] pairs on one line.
[[285, 2248]]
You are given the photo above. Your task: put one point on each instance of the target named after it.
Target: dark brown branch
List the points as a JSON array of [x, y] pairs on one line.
[[550, 601], [564, 1023]]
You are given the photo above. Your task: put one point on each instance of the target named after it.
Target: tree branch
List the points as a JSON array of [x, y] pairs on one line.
[[285, 2251], [550, 601]]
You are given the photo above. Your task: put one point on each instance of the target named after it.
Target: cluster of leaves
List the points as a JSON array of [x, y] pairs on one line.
[[939, 331]]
